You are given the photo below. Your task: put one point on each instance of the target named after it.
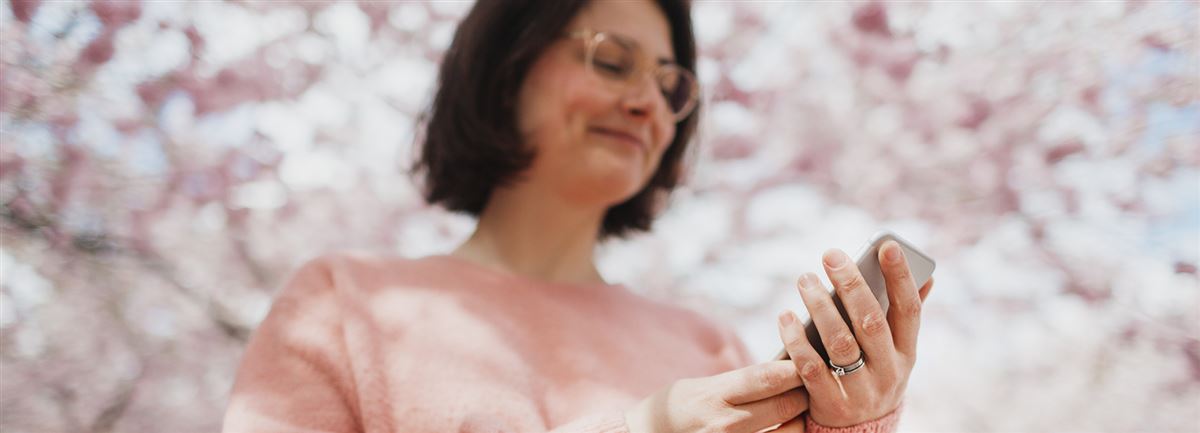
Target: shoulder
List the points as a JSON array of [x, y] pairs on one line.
[[338, 269], [355, 273], [340, 286], [353, 262], [339, 279]]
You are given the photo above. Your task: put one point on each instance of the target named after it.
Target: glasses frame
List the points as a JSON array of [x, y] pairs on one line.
[[592, 39]]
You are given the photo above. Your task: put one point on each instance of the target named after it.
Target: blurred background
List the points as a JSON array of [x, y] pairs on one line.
[[164, 165]]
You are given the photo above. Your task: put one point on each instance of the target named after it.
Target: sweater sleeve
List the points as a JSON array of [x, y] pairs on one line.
[[886, 424], [294, 375]]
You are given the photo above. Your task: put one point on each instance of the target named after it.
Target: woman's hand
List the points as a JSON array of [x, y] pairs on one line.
[[888, 347], [746, 400]]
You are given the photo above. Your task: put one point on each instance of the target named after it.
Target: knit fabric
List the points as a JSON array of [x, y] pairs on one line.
[[376, 344]]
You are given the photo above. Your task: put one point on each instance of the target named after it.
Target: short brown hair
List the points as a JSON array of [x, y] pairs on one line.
[[470, 141]]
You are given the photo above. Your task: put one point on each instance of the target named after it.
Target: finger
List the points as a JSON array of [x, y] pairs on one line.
[[837, 341], [806, 362], [771, 410], [926, 288], [870, 324], [904, 311], [758, 381], [796, 425]]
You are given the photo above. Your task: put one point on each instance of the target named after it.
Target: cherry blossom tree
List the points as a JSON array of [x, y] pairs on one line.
[[165, 165]]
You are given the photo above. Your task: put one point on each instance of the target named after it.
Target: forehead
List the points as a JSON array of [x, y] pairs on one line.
[[640, 21]]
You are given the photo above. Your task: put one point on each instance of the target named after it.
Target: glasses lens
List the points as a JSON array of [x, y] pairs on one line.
[[613, 60], [617, 61], [678, 87]]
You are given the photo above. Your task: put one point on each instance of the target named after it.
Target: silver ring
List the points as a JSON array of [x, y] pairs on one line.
[[844, 370]]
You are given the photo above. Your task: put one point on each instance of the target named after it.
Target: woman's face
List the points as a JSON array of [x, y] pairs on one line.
[[568, 115]]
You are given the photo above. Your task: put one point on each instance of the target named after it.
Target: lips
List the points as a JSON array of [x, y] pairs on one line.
[[626, 137]]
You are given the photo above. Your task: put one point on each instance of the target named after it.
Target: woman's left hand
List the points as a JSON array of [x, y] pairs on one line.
[[887, 346]]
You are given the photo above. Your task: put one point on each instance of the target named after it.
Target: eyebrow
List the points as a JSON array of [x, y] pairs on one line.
[[629, 40]]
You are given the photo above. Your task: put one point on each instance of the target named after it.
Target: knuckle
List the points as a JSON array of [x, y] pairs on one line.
[[900, 270], [873, 325], [794, 341], [810, 371], [910, 307], [764, 379], [850, 280], [787, 407], [845, 345], [823, 308], [783, 408]]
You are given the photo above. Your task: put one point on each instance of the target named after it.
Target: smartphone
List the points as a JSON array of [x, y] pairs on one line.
[[867, 259]]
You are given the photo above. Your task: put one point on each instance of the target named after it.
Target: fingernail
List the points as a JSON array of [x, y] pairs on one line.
[[835, 259], [808, 281], [891, 252], [786, 318]]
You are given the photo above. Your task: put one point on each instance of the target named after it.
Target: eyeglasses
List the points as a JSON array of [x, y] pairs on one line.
[[620, 62]]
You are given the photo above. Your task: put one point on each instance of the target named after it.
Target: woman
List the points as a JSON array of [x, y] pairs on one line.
[[558, 124]]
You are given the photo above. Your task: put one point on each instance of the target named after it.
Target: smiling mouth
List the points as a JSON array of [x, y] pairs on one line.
[[623, 137]]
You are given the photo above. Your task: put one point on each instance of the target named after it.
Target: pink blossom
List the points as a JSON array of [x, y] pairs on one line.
[[23, 10]]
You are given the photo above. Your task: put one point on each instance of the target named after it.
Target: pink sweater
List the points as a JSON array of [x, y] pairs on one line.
[[361, 343]]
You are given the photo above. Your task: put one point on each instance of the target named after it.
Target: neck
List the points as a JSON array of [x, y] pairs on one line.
[[536, 234]]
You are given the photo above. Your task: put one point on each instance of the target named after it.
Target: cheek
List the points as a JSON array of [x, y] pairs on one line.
[[535, 105], [584, 100], [553, 109], [668, 133], [665, 131]]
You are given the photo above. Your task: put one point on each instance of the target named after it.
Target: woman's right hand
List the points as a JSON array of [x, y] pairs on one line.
[[745, 400]]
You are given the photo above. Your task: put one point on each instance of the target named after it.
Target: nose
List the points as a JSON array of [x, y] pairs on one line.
[[641, 98]]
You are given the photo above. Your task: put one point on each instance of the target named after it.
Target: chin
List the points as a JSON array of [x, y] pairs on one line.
[[611, 188], [627, 189]]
